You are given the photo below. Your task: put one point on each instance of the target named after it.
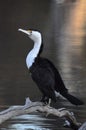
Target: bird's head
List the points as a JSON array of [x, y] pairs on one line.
[[33, 35]]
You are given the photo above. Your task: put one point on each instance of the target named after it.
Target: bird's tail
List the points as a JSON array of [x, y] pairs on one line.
[[72, 99]]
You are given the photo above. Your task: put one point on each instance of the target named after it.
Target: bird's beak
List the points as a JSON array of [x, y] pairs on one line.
[[25, 31]]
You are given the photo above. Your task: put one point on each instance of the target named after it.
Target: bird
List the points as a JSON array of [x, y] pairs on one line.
[[44, 73]]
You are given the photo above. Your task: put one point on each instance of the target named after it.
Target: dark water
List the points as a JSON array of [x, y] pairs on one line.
[[64, 32]]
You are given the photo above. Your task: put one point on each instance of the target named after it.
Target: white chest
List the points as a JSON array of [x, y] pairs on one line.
[[32, 55], [29, 60]]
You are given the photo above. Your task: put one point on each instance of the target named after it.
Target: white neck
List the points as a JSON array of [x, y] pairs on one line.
[[33, 54]]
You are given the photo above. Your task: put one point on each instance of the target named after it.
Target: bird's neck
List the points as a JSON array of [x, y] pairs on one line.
[[33, 54]]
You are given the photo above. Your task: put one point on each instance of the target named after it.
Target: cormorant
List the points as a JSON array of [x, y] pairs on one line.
[[44, 73]]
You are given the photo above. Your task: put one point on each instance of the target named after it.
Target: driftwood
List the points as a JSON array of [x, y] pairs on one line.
[[30, 107], [83, 127]]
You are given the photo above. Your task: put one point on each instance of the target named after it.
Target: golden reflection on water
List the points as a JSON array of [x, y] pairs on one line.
[[71, 45], [77, 21]]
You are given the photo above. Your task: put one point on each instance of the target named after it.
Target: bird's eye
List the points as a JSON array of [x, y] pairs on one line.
[[30, 31]]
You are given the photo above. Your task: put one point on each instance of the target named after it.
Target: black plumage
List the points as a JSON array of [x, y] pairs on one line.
[[48, 80]]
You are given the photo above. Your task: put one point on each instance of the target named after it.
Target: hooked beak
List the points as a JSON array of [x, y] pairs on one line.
[[25, 31]]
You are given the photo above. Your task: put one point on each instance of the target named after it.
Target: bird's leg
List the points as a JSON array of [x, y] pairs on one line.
[[46, 100], [42, 98], [49, 101]]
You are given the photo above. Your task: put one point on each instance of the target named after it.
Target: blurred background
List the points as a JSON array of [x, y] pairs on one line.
[[63, 27]]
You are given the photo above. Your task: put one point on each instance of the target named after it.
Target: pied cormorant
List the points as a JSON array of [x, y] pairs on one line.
[[44, 73]]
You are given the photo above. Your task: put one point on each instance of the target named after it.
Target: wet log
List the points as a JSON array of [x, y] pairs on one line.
[[30, 107]]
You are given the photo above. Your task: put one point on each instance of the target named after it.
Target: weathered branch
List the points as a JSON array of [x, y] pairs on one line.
[[83, 127], [30, 107]]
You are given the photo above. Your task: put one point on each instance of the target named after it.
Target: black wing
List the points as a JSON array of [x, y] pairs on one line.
[[59, 84], [43, 75]]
